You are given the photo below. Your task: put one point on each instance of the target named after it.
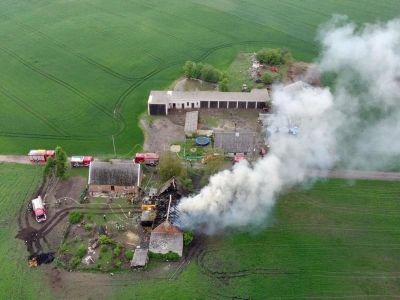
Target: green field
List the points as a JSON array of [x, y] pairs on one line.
[[17, 184], [75, 73], [337, 240]]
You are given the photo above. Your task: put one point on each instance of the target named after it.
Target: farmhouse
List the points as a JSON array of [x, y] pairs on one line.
[[233, 142], [165, 238], [160, 102], [116, 178]]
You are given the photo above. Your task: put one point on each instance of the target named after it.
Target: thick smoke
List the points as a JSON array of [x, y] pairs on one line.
[[360, 117]]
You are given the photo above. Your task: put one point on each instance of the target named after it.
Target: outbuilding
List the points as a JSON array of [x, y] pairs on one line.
[[115, 178], [160, 102], [233, 142], [165, 238], [140, 258]]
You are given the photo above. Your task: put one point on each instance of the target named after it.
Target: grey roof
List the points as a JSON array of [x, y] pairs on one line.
[[191, 120], [114, 173], [165, 97], [140, 257], [166, 237], [234, 142]]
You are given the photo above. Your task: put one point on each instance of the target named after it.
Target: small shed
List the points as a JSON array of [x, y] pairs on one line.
[[117, 178], [191, 121], [140, 258], [165, 238], [233, 142]]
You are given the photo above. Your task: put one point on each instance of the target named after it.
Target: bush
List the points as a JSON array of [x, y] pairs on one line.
[[103, 248], [270, 56], [200, 71], [187, 183], [81, 252], [118, 264], [187, 237], [82, 197], [270, 77], [74, 262], [117, 251], [63, 248], [75, 217], [88, 227], [129, 255], [223, 85], [170, 256], [169, 166], [105, 240]]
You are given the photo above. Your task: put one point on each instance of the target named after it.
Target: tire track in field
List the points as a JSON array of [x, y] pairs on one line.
[[21, 103], [58, 81], [83, 57]]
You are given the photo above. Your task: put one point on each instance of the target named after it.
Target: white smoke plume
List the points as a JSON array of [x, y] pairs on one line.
[[360, 117]]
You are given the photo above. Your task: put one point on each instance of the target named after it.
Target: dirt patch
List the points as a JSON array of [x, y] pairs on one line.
[[305, 72], [18, 159], [160, 132]]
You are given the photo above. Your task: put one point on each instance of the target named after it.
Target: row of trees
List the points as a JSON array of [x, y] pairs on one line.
[[57, 166], [207, 73], [274, 56]]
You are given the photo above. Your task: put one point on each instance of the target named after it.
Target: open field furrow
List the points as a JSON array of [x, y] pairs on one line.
[[24, 105], [58, 81]]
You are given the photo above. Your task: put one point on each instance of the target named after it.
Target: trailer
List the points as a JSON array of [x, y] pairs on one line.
[[81, 161], [38, 209], [151, 159], [41, 156]]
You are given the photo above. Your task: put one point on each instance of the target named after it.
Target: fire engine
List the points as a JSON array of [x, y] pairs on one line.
[[151, 159], [38, 209], [41, 156], [81, 161], [238, 157]]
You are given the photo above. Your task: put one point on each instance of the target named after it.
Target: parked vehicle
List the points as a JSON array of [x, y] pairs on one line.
[[41, 156], [151, 159], [238, 157], [81, 161], [38, 209]]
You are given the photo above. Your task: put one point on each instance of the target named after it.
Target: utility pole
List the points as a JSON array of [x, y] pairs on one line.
[[115, 152]]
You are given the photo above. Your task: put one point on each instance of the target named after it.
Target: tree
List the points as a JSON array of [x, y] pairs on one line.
[[270, 56], [189, 69], [270, 77], [61, 162], [210, 74], [49, 167], [170, 166], [223, 85]]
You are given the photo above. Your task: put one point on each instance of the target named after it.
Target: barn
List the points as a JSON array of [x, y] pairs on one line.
[[160, 102], [233, 142], [165, 238], [114, 178]]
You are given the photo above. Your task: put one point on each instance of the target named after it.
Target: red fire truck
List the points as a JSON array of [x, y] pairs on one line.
[[41, 156], [38, 209], [151, 159], [81, 161]]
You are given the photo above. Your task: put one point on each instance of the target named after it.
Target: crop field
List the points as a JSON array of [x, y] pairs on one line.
[[339, 239], [78, 73], [17, 184]]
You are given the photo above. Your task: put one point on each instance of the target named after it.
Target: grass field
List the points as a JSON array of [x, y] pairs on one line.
[[17, 183], [75, 73], [336, 240]]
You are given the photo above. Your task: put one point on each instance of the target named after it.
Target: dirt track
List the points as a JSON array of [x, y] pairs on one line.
[[18, 159]]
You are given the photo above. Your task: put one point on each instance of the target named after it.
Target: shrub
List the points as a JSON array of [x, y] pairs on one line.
[[270, 77], [88, 227], [82, 197], [105, 240], [223, 85], [63, 248], [103, 248], [117, 251], [170, 256], [129, 254], [200, 71], [187, 183], [74, 262], [270, 56], [75, 217], [81, 252], [118, 264], [187, 237], [169, 166]]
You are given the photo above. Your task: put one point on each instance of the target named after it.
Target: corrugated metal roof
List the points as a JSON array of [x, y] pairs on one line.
[[165, 97], [191, 121], [140, 258], [235, 142], [114, 173]]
